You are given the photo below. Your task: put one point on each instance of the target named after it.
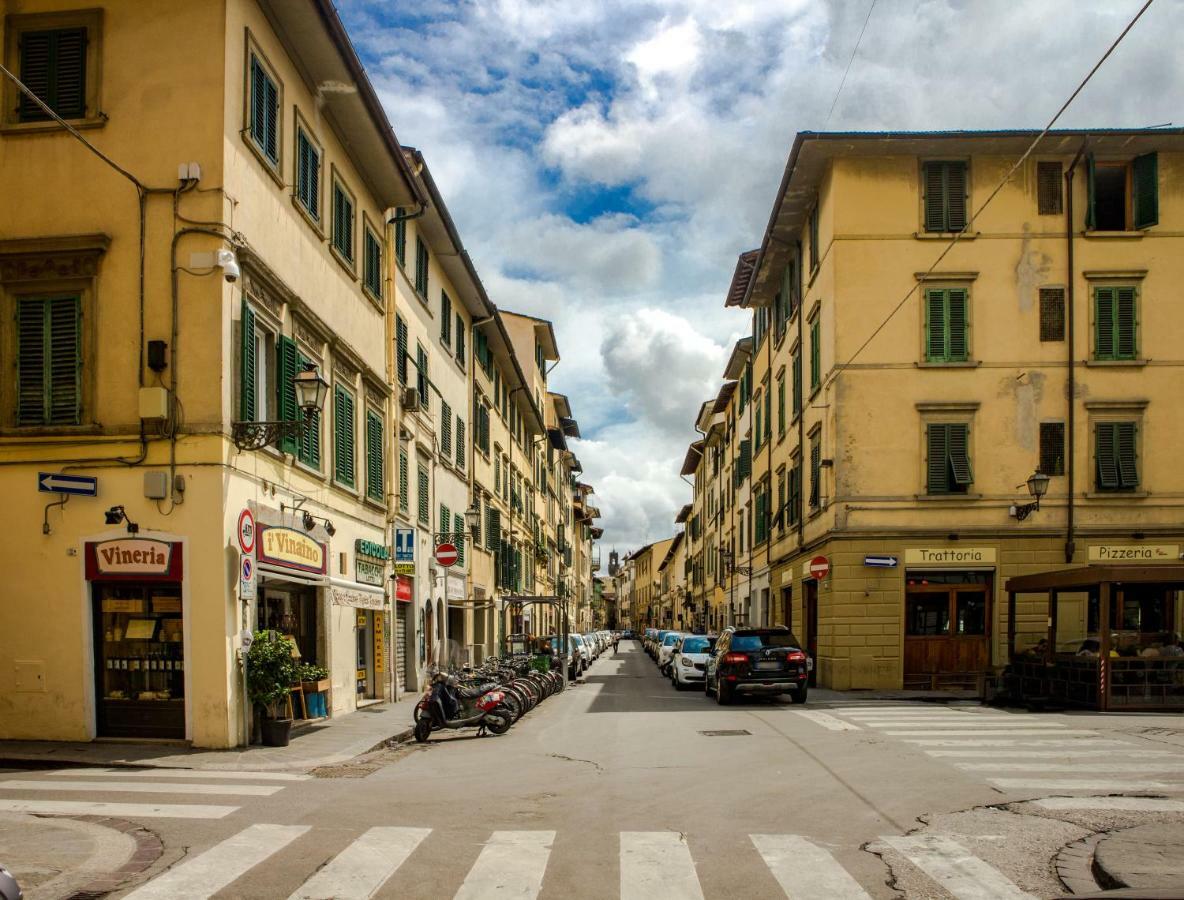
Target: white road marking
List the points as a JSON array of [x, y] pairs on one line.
[[825, 720], [923, 711], [949, 864], [998, 742], [1050, 754], [179, 773], [120, 810], [207, 873], [657, 864], [804, 870], [511, 864], [1083, 784], [988, 731], [1147, 768], [1132, 804], [964, 722], [358, 871], [134, 787]]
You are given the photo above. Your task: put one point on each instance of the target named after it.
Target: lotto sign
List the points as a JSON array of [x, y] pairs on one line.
[[446, 554], [819, 567], [246, 531]]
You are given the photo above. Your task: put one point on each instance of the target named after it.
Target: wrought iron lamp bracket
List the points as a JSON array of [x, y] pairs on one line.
[[257, 435]]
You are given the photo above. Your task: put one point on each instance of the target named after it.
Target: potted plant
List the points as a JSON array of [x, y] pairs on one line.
[[313, 678], [271, 670]]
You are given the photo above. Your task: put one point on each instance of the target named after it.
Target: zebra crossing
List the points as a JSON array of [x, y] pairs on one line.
[[515, 864], [96, 785], [1030, 753]]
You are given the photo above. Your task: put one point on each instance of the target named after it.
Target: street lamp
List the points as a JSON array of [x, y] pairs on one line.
[[310, 390], [1037, 488], [473, 519]]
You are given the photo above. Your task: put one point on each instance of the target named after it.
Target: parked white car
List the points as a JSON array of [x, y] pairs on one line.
[[688, 661], [666, 648]]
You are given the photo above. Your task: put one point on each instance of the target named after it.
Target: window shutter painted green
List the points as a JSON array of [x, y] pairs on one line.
[[493, 526], [461, 446], [1126, 345], [959, 448], [815, 354], [343, 436], [401, 348], [37, 72], [815, 473], [424, 510], [957, 321], [479, 527], [955, 196], [404, 482], [937, 464], [445, 318], [286, 367], [1091, 213], [309, 446], [264, 111], [1128, 471], [935, 326], [372, 263], [53, 66], [768, 414], [1106, 453], [1104, 313], [375, 456], [797, 383], [934, 199], [460, 340], [49, 361], [445, 430], [421, 375], [1145, 190], [757, 430], [780, 406], [945, 196], [445, 522], [308, 175], [458, 536]]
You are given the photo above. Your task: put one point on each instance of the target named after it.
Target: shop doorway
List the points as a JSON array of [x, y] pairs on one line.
[[292, 610], [810, 625], [366, 682], [947, 628], [403, 640]]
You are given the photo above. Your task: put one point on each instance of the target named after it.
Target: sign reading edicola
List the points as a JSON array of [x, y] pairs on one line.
[[370, 562]]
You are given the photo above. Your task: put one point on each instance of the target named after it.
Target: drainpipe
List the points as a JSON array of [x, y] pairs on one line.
[[802, 411], [1071, 388]]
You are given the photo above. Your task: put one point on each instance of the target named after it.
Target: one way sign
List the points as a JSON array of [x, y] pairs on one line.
[[57, 483]]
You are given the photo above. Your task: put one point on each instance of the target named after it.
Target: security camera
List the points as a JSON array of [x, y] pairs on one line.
[[230, 270]]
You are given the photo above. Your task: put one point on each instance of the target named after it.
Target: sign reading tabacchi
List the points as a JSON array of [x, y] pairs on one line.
[[950, 556], [290, 549]]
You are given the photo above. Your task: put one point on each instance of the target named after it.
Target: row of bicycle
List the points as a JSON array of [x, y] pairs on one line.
[[738, 661]]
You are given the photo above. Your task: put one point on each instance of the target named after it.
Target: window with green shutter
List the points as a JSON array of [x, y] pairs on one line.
[[372, 263], [400, 237], [493, 526], [421, 268], [424, 510], [375, 456], [308, 175], [445, 430], [797, 383], [1116, 457], [53, 66], [287, 365], [768, 414], [795, 493], [948, 468], [815, 471], [945, 195], [946, 325], [401, 349], [815, 355], [421, 375], [445, 319], [813, 228], [248, 367], [265, 111], [757, 431], [461, 446], [478, 525], [460, 341], [308, 448], [781, 406], [445, 525], [458, 536], [404, 482], [1121, 196], [49, 360], [344, 449], [1145, 190], [343, 223], [1115, 323]]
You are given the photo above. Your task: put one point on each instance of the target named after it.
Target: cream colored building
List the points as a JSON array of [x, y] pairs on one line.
[[920, 392]]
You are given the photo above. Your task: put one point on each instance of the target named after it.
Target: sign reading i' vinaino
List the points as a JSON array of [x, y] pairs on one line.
[[290, 549]]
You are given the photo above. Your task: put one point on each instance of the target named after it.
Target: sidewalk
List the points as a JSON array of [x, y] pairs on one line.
[[322, 744], [1146, 857]]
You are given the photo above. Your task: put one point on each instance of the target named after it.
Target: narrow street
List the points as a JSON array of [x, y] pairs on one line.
[[622, 781]]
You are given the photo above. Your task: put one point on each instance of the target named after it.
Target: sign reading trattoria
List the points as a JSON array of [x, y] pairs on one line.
[[370, 562], [290, 549], [949, 556], [1106, 553]]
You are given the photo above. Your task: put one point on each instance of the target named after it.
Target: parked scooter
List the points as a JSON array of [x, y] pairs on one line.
[[443, 705]]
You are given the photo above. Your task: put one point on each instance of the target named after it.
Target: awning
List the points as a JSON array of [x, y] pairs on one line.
[[279, 573], [356, 594]]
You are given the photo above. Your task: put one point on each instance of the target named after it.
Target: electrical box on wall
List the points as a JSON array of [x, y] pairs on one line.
[[156, 485], [154, 403]]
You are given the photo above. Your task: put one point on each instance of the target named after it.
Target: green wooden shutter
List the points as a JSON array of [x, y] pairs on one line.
[[460, 340], [757, 431], [957, 322], [1106, 454], [445, 430], [445, 522], [781, 406], [458, 536], [401, 348], [421, 375], [287, 366], [344, 444], [815, 473], [768, 414], [1090, 192], [404, 482], [375, 456], [797, 383], [445, 319], [38, 73], [53, 66], [938, 454], [424, 501], [1128, 470], [493, 526], [1104, 314], [49, 361], [955, 190], [31, 361], [935, 219], [461, 446], [1145, 190], [935, 326], [1125, 325], [815, 354], [959, 454], [479, 527]]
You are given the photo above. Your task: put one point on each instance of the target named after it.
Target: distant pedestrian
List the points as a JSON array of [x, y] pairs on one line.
[[616, 641]]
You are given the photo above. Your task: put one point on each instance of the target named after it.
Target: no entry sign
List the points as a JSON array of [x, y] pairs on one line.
[[445, 554], [820, 567]]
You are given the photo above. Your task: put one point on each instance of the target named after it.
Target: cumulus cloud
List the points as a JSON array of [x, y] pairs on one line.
[[680, 113]]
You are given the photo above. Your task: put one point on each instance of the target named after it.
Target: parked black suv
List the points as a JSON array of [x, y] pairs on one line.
[[757, 661]]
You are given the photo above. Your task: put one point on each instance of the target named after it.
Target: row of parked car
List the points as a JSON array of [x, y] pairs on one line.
[[583, 650], [768, 661]]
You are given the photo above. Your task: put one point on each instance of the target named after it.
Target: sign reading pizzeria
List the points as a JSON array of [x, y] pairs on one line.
[[132, 558], [290, 549]]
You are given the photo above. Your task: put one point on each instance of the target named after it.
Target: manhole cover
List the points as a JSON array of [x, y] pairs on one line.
[[726, 732]]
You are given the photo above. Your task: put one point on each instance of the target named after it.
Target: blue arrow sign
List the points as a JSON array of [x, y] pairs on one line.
[[56, 483], [880, 562]]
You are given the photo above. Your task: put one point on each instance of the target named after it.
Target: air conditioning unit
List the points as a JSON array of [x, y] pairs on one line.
[[410, 400]]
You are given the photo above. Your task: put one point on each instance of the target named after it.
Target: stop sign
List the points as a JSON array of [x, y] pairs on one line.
[[819, 567], [446, 554]]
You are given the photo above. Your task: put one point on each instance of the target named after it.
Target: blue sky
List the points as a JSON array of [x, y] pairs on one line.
[[606, 161]]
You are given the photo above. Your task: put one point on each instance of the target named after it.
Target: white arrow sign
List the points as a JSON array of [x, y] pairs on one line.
[[57, 483], [880, 562]]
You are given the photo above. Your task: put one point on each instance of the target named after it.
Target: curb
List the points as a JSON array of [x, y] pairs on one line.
[[1076, 868]]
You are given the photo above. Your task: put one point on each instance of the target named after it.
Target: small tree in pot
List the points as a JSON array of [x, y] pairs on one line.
[[270, 673]]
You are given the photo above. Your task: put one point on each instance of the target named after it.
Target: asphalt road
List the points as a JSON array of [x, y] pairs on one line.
[[619, 787]]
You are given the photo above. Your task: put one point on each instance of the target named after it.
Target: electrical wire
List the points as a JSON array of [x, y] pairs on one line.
[[1006, 178], [854, 50]]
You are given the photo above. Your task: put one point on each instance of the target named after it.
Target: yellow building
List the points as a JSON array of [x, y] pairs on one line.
[[922, 388], [151, 310]]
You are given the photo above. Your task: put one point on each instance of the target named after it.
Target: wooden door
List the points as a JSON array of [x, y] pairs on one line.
[[810, 614], [947, 628]]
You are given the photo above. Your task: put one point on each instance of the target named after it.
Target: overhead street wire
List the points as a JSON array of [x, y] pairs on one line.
[[854, 50], [1006, 178]]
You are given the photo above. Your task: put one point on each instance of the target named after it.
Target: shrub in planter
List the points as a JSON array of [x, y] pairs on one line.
[[270, 673]]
